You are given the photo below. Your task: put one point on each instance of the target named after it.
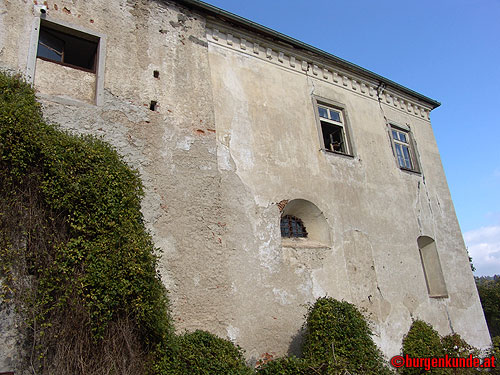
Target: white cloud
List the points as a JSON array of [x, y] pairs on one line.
[[484, 248]]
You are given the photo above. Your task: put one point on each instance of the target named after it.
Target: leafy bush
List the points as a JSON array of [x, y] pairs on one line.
[[337, 333], [489, 293], [289, 366], [200, 353], [455, 346], [422, 341], [75, 256], [495, 351]]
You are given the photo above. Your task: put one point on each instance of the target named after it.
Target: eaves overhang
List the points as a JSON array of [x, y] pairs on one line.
[[267, 32]]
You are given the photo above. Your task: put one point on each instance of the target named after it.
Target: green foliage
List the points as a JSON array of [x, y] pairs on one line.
[[495, 351], [496, 345], [76, 259], [489, 293], [455, 346], [202, 353], [289, 366], [337, 333], [71, 223], [422, 341]]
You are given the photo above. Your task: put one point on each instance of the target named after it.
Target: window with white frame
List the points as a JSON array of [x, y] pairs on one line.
[[404, 149], [333, 129]]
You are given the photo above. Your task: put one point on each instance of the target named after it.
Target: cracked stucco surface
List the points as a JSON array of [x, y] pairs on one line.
[[233, 136]]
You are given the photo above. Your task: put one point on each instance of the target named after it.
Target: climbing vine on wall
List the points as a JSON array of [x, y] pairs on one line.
[[76, 260]]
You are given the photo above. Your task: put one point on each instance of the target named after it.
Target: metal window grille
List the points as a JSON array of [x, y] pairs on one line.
[[292, 227]]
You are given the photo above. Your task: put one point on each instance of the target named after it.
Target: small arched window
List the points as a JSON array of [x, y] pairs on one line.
[[292, 227]]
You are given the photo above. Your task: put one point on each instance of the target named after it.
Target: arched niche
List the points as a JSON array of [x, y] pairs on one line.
[[313, 219], [433, 272]]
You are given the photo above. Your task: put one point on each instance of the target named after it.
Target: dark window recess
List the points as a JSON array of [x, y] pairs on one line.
[[333, 137], [67, 49], [156, 74], [153, 105], [292, 226]]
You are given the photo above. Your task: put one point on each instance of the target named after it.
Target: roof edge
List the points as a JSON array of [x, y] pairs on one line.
[[213, 10]]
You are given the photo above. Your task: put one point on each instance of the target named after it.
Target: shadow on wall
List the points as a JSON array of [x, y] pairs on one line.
[[295, 347]]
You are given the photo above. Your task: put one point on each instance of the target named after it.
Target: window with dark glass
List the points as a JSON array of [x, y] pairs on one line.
[[292, 227], [66, 49], [333, 129]]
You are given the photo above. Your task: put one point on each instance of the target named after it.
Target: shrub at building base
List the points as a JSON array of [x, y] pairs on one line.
[[76, 260], [338, 333], [337, 339], [290, 366], [422, 341], [200, 353]]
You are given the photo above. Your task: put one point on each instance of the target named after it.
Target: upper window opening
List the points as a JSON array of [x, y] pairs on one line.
[[333, 129], [292, 227], [66, 49], [403, 149]]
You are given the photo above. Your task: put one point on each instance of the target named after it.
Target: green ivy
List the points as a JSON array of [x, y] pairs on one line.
[[70, 217]]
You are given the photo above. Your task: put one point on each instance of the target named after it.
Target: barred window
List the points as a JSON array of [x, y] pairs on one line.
[[292, 227]]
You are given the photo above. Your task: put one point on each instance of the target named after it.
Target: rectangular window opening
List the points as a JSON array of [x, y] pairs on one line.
[[333, 137], [333, 130], [403, 148], [67, 49]]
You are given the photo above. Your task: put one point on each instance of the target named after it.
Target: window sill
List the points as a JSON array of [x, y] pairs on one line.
[[438, 296], [303, 243], [411, 171], [327, 151]]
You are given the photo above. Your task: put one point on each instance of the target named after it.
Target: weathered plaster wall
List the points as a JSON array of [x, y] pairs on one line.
[[173, 148], [269, 150], [70, 83], [235, 133]]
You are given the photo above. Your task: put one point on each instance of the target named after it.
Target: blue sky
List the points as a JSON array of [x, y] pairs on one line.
[[446, 50]]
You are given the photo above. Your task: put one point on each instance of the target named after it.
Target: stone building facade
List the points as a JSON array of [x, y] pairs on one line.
[[274, 172]]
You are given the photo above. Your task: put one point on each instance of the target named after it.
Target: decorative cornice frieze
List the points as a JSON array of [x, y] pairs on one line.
[[320, 69]]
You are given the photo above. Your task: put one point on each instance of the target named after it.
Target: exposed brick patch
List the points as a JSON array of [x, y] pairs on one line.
[[282, 204]]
